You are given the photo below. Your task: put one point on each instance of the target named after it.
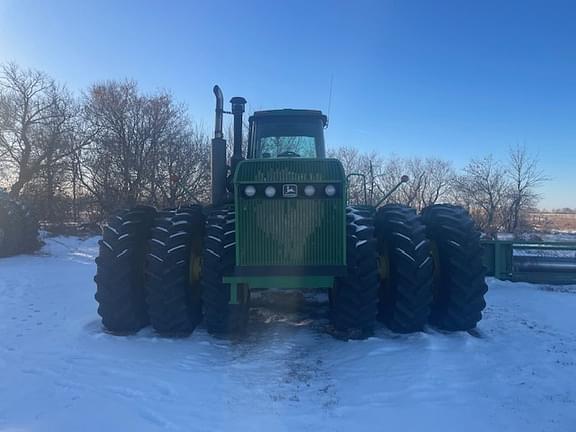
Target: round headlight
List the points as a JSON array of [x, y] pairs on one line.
[[330, 190], [250, 191], [309, 190], [270, 191]]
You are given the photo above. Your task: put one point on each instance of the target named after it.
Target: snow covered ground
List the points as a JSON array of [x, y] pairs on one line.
[[60, 372]]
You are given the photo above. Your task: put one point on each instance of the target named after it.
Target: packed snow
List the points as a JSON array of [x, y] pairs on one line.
[[59, 371]]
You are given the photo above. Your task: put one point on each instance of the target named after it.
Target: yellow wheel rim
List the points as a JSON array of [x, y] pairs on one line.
[[195, 261], [195, 267], [384, 266]]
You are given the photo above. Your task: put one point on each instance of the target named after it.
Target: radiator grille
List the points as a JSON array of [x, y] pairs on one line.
[[290, 232]]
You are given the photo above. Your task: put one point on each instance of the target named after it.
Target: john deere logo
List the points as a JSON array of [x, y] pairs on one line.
[[290, 191]]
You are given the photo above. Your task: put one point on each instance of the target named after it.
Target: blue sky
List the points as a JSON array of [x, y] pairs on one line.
[[453, 79]]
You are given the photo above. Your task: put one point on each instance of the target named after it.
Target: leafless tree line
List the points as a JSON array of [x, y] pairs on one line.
[[81, 158], [498, 194]]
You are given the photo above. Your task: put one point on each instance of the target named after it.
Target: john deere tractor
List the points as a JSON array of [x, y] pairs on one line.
[[279, 219]]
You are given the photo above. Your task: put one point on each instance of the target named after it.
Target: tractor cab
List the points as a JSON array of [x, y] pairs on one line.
[[290, 205], [286, 133]]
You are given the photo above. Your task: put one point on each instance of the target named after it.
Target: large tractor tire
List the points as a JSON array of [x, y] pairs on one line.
[[405, 268], [18, 228], [354, 297], [120, 274], [459, 284], [219, 260], [173, 271]]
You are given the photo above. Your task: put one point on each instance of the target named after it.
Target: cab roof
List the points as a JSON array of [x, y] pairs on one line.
[[290, 113]]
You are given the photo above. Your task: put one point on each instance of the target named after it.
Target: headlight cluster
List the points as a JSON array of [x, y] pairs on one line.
[[270, 191], [250, 191], [309, 190], [291, 191]]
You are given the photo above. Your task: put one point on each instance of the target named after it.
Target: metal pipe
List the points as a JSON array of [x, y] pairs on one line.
[[218, 159], [544, 264], [238, 104], [403, 179], [219, 112]]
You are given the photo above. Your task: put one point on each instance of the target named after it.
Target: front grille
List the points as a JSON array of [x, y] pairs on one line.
[[290, 232]]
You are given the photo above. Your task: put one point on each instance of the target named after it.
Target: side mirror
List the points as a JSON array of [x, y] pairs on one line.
[[404, 179]]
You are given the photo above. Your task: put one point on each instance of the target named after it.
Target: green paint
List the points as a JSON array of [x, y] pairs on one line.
[[276, 282], [281, 282], [290, 231], [499, 261], [282, 170], [233, 292], [298, 231]]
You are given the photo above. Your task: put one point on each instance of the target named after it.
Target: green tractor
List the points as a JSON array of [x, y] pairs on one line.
[[279, 218]]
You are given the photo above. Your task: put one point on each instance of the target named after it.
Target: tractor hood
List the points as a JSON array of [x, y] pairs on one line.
[[290, 212]]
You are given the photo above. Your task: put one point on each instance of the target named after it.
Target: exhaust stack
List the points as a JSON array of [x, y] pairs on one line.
[[219, 169]]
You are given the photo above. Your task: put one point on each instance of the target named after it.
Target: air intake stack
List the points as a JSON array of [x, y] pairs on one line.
[[238, 104]]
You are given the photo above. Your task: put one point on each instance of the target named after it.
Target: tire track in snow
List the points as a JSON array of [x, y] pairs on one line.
[[283, 357]]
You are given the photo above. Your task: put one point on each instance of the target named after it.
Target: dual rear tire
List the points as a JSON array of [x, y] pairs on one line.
[[431, 268], [403, 268], [221, 317], [173, 265], [148, 272], [354, 297], [459, 282], [120, 279]]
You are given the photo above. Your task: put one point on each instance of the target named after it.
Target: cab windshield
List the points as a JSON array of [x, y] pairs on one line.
[[288, 146], [287, 137]]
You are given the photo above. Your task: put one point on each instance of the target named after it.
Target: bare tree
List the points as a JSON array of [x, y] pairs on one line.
[[114, 164], [352, 161], [437, 183], [35, 121], [431, 179], [525, 177], [483, 188], [183, 169], [144, 149], [365, 171]]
